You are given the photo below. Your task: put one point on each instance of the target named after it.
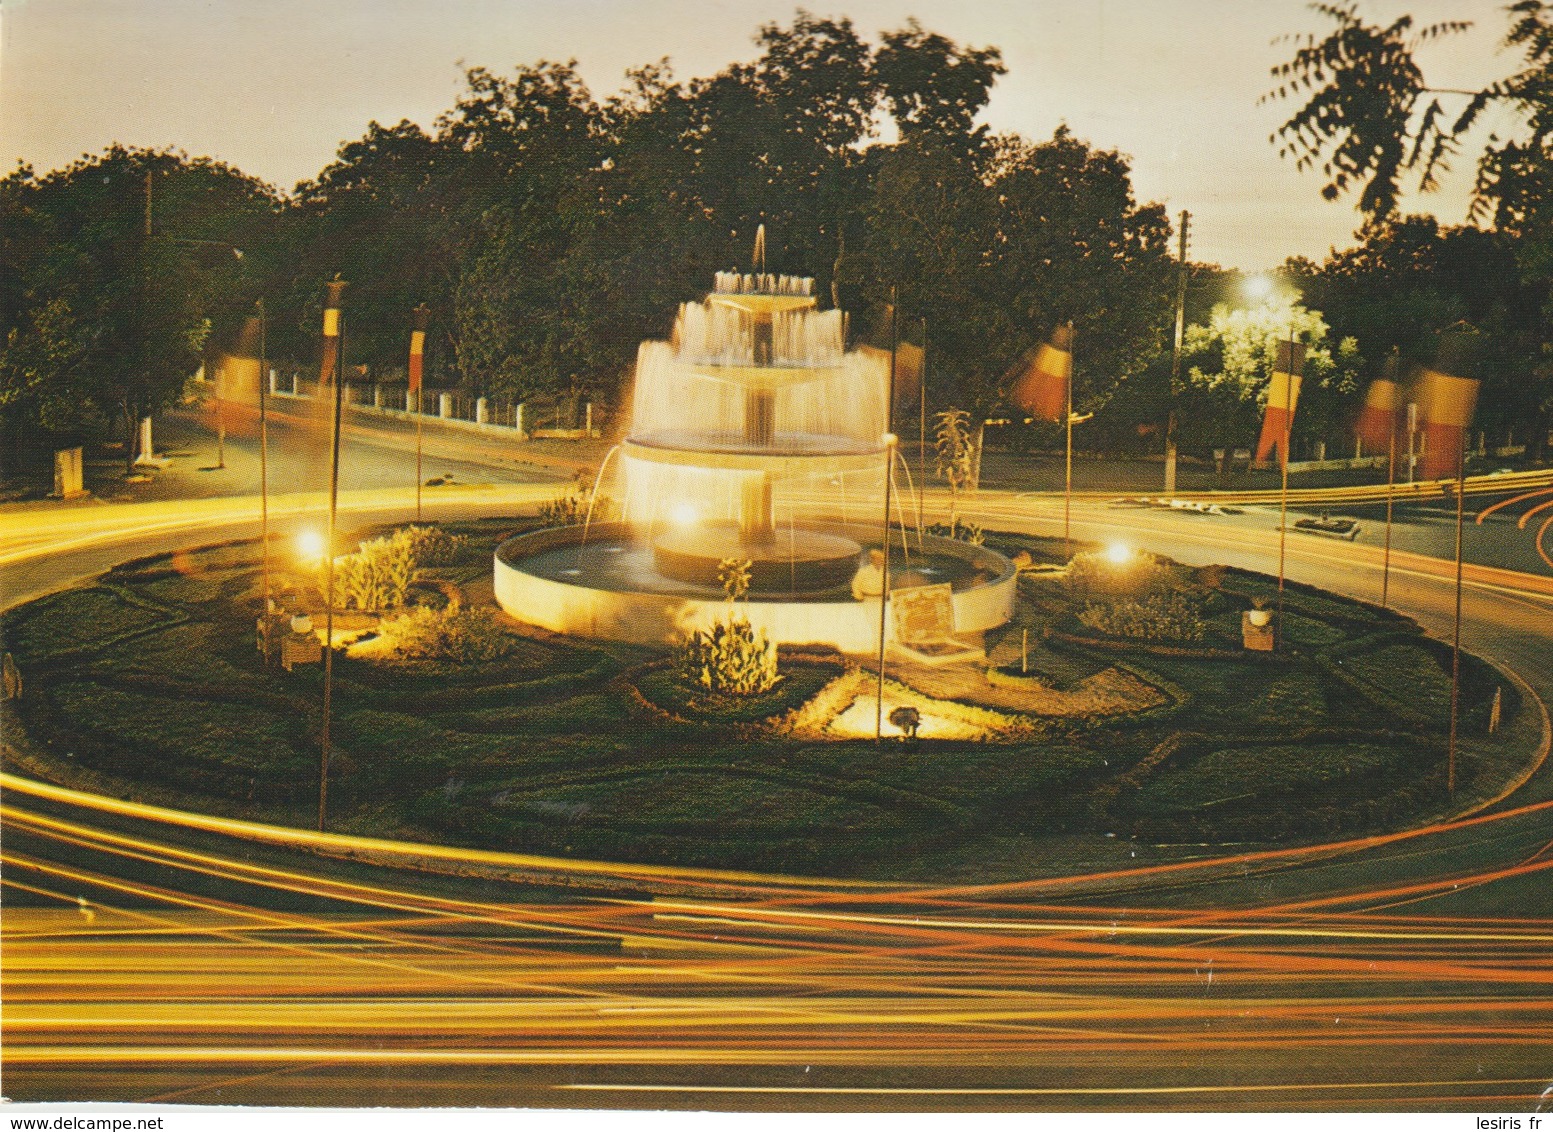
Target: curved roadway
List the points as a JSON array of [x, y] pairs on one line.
[[152, 955]]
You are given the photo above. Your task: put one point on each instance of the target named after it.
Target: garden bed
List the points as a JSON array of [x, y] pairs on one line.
[[148, 684]]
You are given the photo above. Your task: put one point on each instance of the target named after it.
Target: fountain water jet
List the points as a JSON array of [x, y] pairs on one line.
[[754, 389], [754, 401]]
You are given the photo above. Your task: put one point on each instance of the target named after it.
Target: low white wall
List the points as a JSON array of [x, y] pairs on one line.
[[647, 618]]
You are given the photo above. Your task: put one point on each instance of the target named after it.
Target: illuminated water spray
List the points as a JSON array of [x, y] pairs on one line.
[[754, 393]]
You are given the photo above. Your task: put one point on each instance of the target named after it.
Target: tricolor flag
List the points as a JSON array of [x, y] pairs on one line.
[[331, 352], [418, 347], [240, 369], [1283, 396], [908, 372], [1445, 404], [1377, 422], [1041, 385]]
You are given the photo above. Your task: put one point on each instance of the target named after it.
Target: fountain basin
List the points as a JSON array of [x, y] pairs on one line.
[[788, 456], [611, 589], [796, 560]]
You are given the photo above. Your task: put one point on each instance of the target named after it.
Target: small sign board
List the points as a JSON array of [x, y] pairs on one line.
[[924, 624], [923, 613]]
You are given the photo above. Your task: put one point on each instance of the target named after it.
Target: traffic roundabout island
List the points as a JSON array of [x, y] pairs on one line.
[[1117, 699]]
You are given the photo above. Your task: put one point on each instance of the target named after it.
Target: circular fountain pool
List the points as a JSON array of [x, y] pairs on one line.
[[608, 586]]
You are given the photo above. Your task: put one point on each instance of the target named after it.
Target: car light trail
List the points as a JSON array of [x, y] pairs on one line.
[[151, 954]]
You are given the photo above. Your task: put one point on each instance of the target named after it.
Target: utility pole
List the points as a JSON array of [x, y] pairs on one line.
[[1175, 359]]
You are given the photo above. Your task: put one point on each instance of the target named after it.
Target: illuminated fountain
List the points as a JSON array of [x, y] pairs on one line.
[[754, 391], [750, 417]]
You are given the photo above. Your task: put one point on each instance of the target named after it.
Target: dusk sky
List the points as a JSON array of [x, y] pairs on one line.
[[274, 87]]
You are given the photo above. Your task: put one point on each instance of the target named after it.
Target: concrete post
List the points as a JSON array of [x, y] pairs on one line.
[[377, 396], [482, 414], [295, 391], [517, 419], [274, 382], [444, 405], [67, 474], [1321, 451], [587, 427], [409, 401]]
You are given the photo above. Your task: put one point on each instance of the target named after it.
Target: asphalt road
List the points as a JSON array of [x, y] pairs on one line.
[[153, 955]]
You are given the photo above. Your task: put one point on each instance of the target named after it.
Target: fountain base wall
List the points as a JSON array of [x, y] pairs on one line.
[[642, 616]]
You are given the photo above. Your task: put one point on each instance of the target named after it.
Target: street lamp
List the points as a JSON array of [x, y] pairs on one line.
[[1258, 288]]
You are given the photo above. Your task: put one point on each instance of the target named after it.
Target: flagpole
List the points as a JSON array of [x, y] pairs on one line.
[[889, 474], [264, 473], [334, 500], [417, 347], [1067, 490], [1461, 494], [922, 434], [1391, 487], [1283, 494]]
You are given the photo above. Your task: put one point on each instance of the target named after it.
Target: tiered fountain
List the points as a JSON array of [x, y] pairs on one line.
[[753, 414]]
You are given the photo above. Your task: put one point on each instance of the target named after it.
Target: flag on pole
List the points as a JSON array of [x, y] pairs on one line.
[[331, 351], [240, 368], [418, 347], [1040, 386], [1378, 419], [1283, 395], [1446, 405], [908, 372]]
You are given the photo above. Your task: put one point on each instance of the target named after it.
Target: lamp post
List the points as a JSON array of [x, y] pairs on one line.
[[1175, 364], [890, 441], [334, 354]]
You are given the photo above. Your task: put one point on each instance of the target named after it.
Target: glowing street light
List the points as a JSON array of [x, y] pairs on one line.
[[310, 547], [1259, 287]]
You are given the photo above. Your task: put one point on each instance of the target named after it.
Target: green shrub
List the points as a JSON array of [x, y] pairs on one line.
[[376, 577], [732, 657], [1095, 573], [677, 692], [570, 510], [1157, 617], [433, 546], [380, 573], [440, 634]]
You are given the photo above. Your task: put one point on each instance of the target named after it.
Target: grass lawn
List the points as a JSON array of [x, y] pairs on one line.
[[603, 750]]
